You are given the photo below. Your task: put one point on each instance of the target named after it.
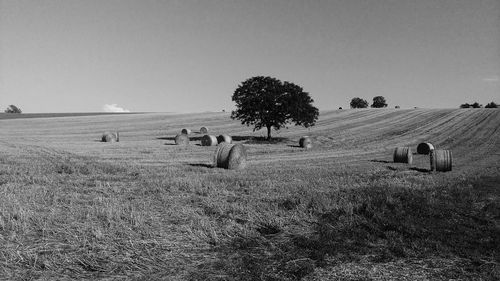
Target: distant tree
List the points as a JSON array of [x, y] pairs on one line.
[[491, 105], [472, 105], [379, 102], [397, 106], [359, 103], [13, 109], [476, 105], [266, 102], [340, 107]]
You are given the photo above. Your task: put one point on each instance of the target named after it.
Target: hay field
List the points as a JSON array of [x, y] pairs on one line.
[[72, 207]]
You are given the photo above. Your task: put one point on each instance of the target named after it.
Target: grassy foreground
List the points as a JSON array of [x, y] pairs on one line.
[[72, 207]]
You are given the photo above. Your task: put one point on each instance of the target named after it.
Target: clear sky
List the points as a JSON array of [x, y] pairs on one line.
[[189, 56]]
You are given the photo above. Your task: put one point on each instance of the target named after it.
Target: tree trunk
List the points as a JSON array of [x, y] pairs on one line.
[[269, 132]]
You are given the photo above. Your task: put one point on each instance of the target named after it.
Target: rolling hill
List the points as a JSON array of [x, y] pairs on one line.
[[74, 207]]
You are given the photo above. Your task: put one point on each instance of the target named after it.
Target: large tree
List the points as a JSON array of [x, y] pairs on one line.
[[379, 102], [359, 103], [266, 102]]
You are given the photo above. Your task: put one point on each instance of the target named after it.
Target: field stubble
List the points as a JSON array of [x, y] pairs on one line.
[[72, 207]]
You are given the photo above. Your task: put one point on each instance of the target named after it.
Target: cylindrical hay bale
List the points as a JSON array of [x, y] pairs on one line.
[[109, 137], [204, 130], [182, 139], [442, 160], [424, 148], [230, 156], [403, 155], [208, 140], [305, 142], [224, 138], [186, 131]]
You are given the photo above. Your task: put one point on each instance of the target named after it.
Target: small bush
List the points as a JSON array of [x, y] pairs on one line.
[[491, 105], [13, 109]]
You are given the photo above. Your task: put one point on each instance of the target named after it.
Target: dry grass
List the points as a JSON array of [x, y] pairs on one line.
[[145, 209]]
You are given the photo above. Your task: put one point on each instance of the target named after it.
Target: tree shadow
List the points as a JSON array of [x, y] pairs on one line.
[[166, 138], [422, 170], [173, 138], [258, 140], [210, 166], [294, 145], [380, 161], [402, 221]]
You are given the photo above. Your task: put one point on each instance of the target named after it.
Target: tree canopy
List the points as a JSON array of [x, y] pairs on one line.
[[266, 102], [491, 105], [13, 109], [473, 105], [359, 103], [379, 102]]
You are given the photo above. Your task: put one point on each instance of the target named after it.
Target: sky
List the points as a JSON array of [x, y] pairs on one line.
[[191, 55]]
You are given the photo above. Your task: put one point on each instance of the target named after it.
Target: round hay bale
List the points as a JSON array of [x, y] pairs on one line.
[[224, 138], [182, 139], [204, 130], [230, 156], [403, 155], [186, 131], [442, 160], [305, 142], [424, 148], [208, 140], [109, 137]]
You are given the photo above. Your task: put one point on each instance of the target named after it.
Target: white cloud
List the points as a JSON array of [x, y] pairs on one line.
[[491, 79], [114, 108]]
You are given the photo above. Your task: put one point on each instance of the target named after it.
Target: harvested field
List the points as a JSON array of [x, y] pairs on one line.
[[144, 208]]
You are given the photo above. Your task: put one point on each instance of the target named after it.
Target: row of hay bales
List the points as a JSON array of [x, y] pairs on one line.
[[439, 159], [206, 140], [227, 155]]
